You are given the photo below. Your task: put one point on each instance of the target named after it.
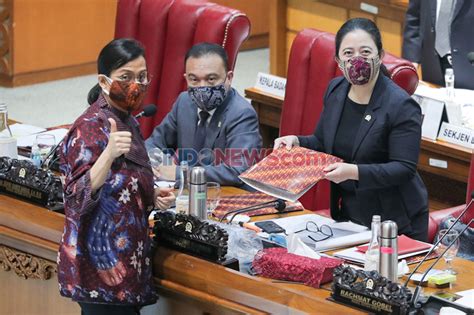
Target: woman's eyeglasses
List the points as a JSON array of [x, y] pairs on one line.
[[321, 233], [143, 78]]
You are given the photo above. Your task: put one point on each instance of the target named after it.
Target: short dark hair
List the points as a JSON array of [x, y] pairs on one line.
[[204, 49], [114, 55]]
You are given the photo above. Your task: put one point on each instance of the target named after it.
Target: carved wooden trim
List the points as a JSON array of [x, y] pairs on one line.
[[25, 265], [5, 36]]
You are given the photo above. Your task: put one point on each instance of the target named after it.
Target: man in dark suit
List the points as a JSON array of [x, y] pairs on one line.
[[211, 124], [438, 35]]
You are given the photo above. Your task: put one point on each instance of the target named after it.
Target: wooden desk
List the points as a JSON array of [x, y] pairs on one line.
[[29, 237], [446, 186]]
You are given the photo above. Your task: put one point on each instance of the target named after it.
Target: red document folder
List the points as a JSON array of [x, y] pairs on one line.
[[406, 245], [229, 203], [288, 174]]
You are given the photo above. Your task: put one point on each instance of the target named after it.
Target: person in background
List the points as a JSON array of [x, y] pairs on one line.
[[438, 35], [104, 259], [210, 119], [375, 127]]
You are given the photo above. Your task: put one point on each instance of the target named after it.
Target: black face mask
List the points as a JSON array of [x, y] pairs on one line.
[[208, 98]]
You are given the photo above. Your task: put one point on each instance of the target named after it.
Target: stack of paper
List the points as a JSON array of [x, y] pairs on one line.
[[344, 233], [407, 247]]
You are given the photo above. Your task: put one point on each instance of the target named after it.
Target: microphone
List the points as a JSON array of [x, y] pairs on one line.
[[147, 111], [418, 287], [441, 238], [278, 204], [470, 57]]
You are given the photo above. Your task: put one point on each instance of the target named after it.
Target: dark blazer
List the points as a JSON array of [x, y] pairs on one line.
[[386, 149], [234, 125], [419, 40]]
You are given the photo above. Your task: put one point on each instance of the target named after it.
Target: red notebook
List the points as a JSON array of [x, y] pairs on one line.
[[406, 245], [288, 174]]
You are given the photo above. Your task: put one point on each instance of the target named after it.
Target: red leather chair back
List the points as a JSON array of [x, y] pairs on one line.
[[311, 67], [436, 217], [168, 29]]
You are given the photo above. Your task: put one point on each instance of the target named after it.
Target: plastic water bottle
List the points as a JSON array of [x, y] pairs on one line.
[[36, 155], [372, 255], [182, 200], [449, 81], [7, 141]]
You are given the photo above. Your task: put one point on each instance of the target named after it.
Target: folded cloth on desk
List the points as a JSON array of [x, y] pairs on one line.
[[277, 263], [230, 203]]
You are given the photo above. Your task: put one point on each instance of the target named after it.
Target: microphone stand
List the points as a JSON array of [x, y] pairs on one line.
[[278, 204], [440, 239], [418, 287]]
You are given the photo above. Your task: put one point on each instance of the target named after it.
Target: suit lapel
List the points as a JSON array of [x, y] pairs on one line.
[[217, 120], [457, 8], [432, 5], [369, 116], [337, 104]]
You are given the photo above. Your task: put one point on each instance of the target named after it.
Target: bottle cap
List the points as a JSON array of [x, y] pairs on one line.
[[376, 218], [389, 229], [198, 175]]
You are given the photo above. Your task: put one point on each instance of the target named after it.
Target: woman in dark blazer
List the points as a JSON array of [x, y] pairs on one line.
[[375, 127]]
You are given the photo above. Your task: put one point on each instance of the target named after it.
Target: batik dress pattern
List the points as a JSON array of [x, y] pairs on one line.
[[105, 254]]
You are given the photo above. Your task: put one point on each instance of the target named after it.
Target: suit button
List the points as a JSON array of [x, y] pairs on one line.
[[455, 50]]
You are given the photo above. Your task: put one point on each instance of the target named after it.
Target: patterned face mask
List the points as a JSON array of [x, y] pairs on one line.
[[360, 70], [126, 95], [208, 97]]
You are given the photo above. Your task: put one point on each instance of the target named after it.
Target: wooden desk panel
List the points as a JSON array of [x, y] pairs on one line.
[[178, 276], [446, 186]]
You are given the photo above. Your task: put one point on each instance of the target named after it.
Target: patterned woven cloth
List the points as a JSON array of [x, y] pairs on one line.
[[277, 263], [293, 171], [229, 203]]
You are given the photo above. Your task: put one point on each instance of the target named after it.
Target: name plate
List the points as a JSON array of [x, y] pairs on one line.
[[21, 179], [457, 135], [433, 112], [189, 234], [271, 84], [369, 291]]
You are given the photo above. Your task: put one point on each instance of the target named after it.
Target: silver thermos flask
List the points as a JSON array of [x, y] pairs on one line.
[[198, 193], [388, 263]]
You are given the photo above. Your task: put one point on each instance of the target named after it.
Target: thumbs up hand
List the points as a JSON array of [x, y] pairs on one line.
[[119, 141]]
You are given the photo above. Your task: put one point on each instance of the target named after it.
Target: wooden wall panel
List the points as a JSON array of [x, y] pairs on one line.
[[392, 37], [52, 34], [294, 15], [303, 14]]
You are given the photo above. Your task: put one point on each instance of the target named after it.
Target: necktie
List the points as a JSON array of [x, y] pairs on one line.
[[443, 26], [200, 135]]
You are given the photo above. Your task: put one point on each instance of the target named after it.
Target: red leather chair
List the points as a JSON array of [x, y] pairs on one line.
[[437, 216], [168, 29], [311, 67]]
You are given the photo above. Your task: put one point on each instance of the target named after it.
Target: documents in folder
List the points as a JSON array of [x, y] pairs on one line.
[[407, 247], [288, 174]]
